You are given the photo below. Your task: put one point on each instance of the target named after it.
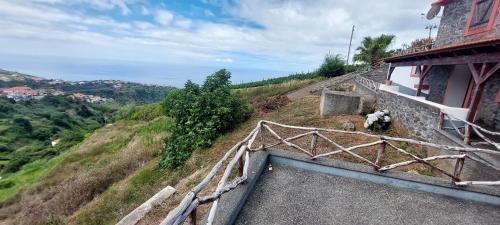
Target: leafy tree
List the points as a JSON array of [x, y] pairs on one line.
[[24, 124], [19, 158], [84, 111], [332, 66], [373, 50], [201, 115]]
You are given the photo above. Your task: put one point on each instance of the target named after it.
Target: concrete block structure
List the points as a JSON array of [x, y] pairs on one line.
[[339, 103]]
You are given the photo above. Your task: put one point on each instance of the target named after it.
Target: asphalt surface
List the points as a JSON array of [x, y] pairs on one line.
[[293, 196]]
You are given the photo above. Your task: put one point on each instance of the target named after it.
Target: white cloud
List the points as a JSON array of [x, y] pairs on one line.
[[183, 23], [225, 60], [164, 17], [110, 4]]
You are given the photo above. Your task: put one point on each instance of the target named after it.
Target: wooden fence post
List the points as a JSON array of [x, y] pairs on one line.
[[458, 168], [441, 120], [241, 166], [193, 216], [467, 133], [380, 154], [262, 138], [314, 142]]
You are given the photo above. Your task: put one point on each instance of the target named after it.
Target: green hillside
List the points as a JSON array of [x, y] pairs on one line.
[[28, 128]]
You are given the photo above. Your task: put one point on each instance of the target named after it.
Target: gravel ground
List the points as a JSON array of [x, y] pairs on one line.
[[292, 196]]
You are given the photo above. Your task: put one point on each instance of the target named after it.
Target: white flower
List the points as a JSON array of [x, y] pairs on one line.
[[366, 124], [379, 114], [386, 111], [387, 119]]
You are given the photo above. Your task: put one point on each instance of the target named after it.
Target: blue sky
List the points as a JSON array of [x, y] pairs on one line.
[[170, 41]]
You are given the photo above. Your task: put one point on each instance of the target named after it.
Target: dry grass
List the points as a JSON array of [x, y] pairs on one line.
[[262, 92], [304, 112]]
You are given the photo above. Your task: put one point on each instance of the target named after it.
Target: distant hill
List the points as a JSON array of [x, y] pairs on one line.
[[7, 76], [120, 91]]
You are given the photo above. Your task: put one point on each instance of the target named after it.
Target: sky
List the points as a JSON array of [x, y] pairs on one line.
[[170, 41]]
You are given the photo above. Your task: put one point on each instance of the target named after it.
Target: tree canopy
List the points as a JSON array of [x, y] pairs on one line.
[[332, 66], [201, 114], [373, 50]]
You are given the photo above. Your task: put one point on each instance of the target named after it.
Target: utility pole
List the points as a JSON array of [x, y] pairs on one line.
[[430, 27], [350, 43]]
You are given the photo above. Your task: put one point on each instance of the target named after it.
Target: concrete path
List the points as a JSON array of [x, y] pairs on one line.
[[293, 196]]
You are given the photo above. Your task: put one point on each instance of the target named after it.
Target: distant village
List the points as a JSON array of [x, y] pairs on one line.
[[25, 93]]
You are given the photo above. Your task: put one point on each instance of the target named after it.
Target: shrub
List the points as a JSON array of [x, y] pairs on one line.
[[379, 120], [332, 66], [24, 124], [18, 160], [4, 184], [201, 114], [84, 111], [356, 67]]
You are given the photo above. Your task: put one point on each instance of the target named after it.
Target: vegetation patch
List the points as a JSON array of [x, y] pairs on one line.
[[250, 95]]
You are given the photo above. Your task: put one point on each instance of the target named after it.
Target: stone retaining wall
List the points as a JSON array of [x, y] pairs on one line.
[[417, 117], [488, 114]]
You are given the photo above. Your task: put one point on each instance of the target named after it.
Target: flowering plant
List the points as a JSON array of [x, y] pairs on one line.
[[379, 120]]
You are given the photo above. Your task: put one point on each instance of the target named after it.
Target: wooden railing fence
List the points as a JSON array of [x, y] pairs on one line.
[[464, 125], [241, 155]]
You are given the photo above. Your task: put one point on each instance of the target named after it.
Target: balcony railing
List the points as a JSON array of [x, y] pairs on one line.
[[416, 46], [459, 127]]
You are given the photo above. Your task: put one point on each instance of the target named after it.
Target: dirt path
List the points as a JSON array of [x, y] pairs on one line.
[[318, 87]]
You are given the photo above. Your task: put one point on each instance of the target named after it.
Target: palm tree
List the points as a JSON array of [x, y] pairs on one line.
[[373, 50]]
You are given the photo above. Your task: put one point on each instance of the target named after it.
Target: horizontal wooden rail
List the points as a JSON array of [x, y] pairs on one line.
[[480, 131]]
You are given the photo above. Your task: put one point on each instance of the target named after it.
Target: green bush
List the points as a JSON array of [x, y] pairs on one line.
[[201, 114], [332, 66], [18, 159], [4, 148], [23, 124], [356, 67], [84, 111], [4, 184]]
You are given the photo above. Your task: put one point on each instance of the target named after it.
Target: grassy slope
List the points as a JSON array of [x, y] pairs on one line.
[[75, 178], [29, 174]]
